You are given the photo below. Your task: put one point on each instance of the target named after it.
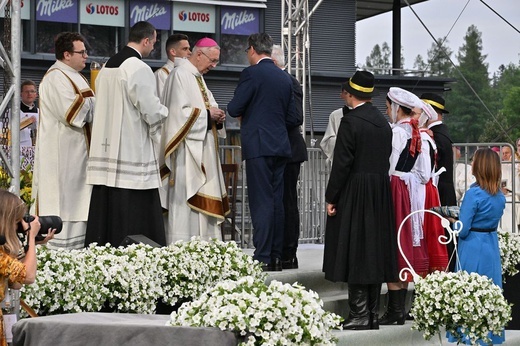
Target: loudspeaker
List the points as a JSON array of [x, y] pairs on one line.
[[137, 239]]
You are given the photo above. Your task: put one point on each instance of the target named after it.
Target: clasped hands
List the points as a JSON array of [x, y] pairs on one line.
[[217, 114]]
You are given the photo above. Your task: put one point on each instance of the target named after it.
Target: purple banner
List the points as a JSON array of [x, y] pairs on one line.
[[157, 13], [239, 20], [63, 11]]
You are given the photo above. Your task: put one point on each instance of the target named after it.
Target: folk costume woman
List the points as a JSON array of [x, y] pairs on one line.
[[406, 148], [432, 228]]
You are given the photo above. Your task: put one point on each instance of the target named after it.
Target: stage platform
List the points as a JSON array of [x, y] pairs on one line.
[[335, 298]]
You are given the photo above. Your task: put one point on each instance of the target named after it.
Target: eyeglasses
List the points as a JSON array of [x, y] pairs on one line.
[[30, 91], [213, 61], [82, 52], [247, 49]]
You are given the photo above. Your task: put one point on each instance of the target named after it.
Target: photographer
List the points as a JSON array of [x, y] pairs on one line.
[[14, 272]]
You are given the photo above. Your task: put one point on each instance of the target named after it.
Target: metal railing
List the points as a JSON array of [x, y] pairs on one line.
[[509, 174], [314, 175]]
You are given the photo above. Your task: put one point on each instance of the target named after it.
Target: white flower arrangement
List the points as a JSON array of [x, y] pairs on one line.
[[133, 278], [463, 303], [509, 245], [192, 267], [278, 314]]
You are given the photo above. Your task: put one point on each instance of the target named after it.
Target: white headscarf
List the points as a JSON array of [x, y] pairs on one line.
[[401, 97]]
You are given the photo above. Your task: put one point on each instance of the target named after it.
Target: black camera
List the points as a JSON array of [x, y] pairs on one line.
[[46, 222]]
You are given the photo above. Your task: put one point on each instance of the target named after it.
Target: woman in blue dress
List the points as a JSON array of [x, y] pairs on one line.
[[480, 213]]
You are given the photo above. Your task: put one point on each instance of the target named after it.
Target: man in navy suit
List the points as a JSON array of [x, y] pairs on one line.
[[264, 101]]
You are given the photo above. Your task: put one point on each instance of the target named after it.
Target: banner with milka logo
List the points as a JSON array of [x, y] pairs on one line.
[[158, 13], [239, 20], [62, 11]]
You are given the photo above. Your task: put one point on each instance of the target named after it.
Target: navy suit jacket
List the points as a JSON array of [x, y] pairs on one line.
[[264, 99], [298, 146]]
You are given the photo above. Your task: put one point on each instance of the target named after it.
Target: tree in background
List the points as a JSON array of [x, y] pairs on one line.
[[419, 63], [439, 56], [506, 103], [467, 114], [379, 57]]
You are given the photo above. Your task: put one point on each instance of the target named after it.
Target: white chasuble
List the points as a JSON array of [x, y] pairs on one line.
[[194, 191]]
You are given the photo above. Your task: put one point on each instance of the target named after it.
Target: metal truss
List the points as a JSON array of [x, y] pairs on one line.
[[10, 61]]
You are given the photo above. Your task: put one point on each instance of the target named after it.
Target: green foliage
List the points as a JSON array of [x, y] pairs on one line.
[[379, 57], [469, 114], [439, 56]]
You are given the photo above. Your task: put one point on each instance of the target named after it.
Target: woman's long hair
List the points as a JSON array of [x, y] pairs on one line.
[[12, 210], [487, 170]]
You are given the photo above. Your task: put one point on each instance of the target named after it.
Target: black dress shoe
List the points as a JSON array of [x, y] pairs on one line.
[[266, 267], [291, 263], [276, 265]]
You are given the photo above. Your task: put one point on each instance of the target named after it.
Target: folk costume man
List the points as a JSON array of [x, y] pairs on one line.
[[123, 164], [60, 169], [360, 242], [195, 195], [177, 47]]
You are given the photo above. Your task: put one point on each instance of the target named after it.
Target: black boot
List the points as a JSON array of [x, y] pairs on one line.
[[395, 311], [374, 292], [407, 311], [358, 317]]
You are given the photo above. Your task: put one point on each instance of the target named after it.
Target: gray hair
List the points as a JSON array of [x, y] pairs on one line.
[[278, 56]]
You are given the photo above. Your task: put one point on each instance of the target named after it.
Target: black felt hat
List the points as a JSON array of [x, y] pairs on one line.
[[436, 101], [361, 84]]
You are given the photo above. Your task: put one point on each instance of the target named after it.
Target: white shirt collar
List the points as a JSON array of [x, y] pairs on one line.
[[435, 123]]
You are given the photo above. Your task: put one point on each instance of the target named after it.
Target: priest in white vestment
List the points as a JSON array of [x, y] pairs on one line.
[[123, 164], [177, 47], [60, 168], [195, 193], [328, 142]]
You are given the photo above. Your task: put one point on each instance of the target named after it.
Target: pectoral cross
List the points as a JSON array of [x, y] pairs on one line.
[[105, 144]]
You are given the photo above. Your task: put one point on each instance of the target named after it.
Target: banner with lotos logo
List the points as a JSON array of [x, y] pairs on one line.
[[193, 17], [102, 12]]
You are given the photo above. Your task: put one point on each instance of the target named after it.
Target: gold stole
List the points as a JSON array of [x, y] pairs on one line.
[[77, 105]]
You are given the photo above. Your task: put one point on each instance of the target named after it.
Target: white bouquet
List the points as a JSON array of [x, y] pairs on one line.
[[465, 304], [509, 245], [278, 314]]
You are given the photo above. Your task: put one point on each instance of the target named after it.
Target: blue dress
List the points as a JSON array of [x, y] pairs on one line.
[[481, 210]]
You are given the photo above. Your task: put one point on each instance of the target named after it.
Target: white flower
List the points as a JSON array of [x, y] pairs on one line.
[[471, 304], [133, 278], [261, 314], [509, 245]]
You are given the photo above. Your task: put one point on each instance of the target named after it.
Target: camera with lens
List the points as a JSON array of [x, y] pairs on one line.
[[46, 222]]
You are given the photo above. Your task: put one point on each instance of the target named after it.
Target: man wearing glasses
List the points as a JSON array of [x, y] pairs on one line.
[[66, 111], [193, 185], [126, 131], [264, 100], [28, 114]]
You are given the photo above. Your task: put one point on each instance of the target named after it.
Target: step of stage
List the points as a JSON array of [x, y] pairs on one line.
[[335, 299]]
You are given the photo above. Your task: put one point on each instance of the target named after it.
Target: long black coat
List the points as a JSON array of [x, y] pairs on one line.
[[443, 141], [360, 242]]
